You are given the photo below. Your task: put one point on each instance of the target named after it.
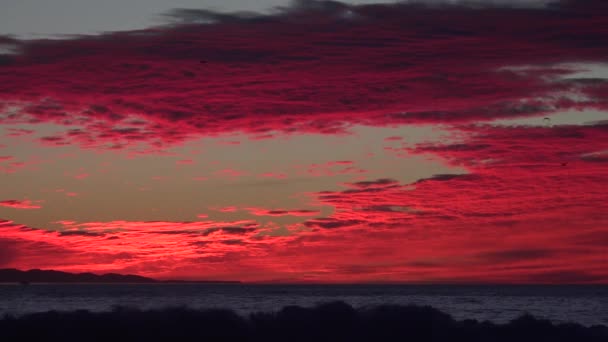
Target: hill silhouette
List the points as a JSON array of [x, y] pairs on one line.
[[12, 275]]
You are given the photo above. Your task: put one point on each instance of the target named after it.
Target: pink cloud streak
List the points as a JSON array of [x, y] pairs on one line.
[[17, 204]]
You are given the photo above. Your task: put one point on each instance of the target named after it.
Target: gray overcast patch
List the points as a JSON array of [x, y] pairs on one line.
[[46, 19], [53, 19]]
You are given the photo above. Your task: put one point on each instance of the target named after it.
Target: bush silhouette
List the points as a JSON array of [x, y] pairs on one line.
[[334, 321]]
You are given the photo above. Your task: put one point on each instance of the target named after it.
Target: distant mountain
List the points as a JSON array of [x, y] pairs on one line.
[[12, 275]]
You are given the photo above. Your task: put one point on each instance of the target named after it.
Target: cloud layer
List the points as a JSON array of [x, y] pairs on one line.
[[319, 68], [306, 69]]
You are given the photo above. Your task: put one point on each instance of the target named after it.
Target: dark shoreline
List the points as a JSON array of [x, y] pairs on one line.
[[334, 321], [219, 282], [325, 285], [37, 276]]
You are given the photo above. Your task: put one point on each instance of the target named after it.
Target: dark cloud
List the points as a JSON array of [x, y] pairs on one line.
[[282, 212], [382, 182], [515, 255], [181, 16], [229, 230], [344, 11], [425, 264], [597, 157], [565, 277], [444, 177], [331, 223], [79, 233], [391, 208]]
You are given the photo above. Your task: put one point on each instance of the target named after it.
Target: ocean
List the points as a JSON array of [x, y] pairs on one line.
[[586, 305]]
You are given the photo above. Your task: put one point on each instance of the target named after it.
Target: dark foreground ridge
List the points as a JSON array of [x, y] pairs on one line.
[[334, 321]]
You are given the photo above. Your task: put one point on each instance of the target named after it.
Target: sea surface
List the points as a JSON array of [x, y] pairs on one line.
[[587, 305]]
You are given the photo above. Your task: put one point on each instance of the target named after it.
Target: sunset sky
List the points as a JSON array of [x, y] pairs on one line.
[[310, 141]]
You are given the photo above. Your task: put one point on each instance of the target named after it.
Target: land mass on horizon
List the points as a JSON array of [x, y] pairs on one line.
[[11, 275]]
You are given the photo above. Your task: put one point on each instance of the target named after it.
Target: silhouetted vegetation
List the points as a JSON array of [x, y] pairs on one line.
[[334, 321]]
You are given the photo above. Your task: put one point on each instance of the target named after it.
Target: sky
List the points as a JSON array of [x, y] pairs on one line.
[[306, 142]]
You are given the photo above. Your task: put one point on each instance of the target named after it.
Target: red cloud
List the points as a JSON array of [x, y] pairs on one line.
[[524, 185], [125, 246], [26, 204], [396, 64]]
